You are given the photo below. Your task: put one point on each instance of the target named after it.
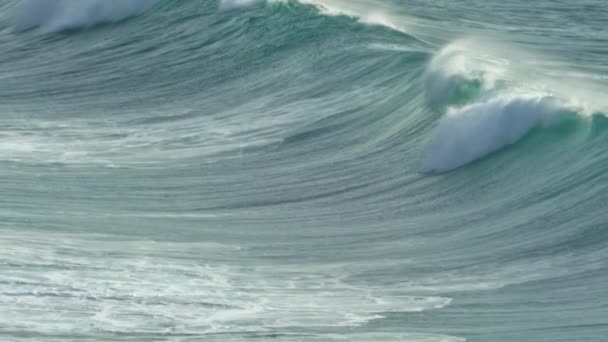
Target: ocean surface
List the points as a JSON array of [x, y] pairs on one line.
[[313, 170]]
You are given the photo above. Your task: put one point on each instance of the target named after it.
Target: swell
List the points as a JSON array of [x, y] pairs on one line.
[[289, 75], [485, 102]]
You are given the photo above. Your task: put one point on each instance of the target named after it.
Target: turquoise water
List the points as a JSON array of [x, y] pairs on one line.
[[314, 170]]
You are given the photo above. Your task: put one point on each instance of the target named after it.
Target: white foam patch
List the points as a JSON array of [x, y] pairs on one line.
[[57, 15], [371, 15], [64, 284]]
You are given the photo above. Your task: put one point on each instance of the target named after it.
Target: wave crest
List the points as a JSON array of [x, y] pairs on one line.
[[490, 101], [473, 131]]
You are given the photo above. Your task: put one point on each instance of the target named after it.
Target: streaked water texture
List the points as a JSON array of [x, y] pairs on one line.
[[314, 170]]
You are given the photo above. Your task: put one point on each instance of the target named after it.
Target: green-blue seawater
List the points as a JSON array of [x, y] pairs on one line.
[[313, 170]]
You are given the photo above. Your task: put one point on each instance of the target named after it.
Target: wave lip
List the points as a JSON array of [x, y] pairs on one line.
[[471, 132], [58, 15]]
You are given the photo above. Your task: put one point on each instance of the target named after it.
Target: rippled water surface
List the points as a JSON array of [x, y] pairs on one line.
[[314, 170]]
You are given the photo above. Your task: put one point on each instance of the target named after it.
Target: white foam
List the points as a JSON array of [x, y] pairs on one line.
[[458, 66], [471, 132], [57, 15], [491, 96], [370, 15], [93, 284]]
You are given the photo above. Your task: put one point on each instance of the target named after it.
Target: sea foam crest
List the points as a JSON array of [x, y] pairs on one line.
[[57, 15], [487, 105], [471, 132]]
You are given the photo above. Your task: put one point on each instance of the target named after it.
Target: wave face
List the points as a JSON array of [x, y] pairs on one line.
[[57, 15], [314, 170]]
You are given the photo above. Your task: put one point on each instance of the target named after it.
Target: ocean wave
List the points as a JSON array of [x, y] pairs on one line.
[[490, 102], [474, 131]]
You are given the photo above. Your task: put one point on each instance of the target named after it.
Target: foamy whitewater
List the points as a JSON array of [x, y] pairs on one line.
[[313, 170]]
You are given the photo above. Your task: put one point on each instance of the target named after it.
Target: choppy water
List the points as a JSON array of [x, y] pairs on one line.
[[319, 170]]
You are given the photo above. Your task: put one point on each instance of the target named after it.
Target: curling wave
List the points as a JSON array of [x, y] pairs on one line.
[[487, 105]]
